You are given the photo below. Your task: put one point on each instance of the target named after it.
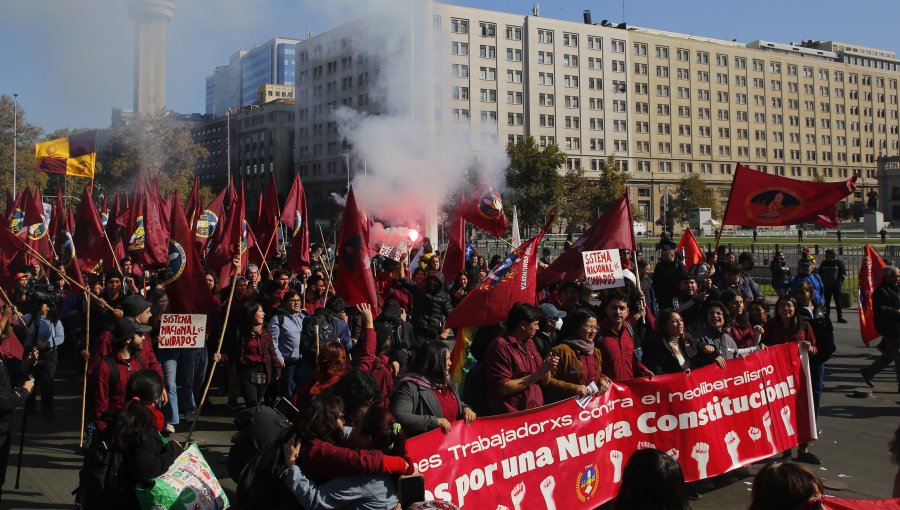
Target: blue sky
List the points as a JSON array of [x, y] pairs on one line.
[[70, 61]]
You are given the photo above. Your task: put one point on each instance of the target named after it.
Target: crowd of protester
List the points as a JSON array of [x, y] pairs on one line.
[[365, 378]]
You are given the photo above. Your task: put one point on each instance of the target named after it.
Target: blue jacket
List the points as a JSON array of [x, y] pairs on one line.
[[286, 330], [50, 335]]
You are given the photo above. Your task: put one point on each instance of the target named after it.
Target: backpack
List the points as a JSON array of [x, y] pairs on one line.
[[114, 370], [259, 485], [98, 479], [328, 332]]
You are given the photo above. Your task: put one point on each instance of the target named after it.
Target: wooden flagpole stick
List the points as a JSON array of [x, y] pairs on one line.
[[87, 347], [69, 279], [328, 272], [212, 370], [727, 204], [18, 313], [112, 251], [269, 246]]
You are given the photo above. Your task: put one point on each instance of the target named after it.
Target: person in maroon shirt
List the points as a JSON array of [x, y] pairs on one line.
[[109, 389], [513, 367], [615, 343], [254, 352]]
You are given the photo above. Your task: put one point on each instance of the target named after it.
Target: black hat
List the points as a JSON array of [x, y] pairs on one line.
[[123, 328], [134, 304], [138, 327], [114, 273]]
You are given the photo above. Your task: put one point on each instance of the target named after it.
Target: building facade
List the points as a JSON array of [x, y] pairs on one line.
[[236, 84], [258, 140], [664, 105]]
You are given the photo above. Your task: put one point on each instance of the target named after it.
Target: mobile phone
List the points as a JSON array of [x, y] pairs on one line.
[[412, 489], [286, 409]]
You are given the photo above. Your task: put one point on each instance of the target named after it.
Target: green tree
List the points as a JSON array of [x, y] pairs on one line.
[[610, 186], [154, 144], [26, 135], [579, 194], [533, 174], [692, 192]]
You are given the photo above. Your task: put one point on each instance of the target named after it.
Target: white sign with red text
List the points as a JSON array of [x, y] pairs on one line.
[[177, 330], [603, 269]]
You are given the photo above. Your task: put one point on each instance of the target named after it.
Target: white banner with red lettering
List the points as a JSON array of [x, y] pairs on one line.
[[712, 420]]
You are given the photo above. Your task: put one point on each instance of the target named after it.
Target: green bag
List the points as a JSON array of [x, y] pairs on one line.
[[189, 484]]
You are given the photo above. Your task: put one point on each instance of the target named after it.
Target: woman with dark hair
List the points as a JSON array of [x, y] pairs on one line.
[[257, 363], [580, 362], [168, 358], [714, 344], [758, 311], [814, 315], [652, 480], [784, 327], [460, 288], [670, 350], [426, 397], [135, 435], [320, 429], [786, 486], [474, 385], [375, 431], [45, 334]]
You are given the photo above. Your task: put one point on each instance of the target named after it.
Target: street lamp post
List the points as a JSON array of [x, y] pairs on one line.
[[15, 137]]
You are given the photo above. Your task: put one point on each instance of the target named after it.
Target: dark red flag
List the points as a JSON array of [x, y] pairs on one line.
[[513, 281], [185, 279], [455, 257], [88, 239], [233, 239], [57, 216], [484, 209], [294, 217], [869, 278], [12, 256], [761, 199], [65, 248], [355, 282], [690, 249], [38, 236], [156, 230], [193, 207], [207, 221], [267, 224], [611, 230]]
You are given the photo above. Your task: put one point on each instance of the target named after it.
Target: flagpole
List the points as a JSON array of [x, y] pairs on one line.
[[68, 278], [87, 347], [727, 204], [112, 251], [634, 246], [212, 370], [328, 272]]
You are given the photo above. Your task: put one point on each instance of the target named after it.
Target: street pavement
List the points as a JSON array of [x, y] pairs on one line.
[[852, 445]]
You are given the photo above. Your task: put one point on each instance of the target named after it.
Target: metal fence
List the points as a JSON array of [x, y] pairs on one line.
[[763, 253]]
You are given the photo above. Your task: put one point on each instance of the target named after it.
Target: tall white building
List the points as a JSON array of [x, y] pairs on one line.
[[150, 19]]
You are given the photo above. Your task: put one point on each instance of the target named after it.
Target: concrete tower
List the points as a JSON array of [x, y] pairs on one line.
[[150, 18]]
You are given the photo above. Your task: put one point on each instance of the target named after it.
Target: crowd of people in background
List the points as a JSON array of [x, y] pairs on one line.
[[363, 379]]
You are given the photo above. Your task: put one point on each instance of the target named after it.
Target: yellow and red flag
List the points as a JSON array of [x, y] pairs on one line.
[[74, 155]]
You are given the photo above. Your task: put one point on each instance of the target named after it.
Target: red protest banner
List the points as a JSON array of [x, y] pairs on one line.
[[712, 421]]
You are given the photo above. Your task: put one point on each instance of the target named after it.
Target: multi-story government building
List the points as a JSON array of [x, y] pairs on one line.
[[664, 105]]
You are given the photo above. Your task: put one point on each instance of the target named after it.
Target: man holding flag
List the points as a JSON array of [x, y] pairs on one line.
[[886, 304]]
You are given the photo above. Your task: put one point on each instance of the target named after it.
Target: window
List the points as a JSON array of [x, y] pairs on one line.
[[513, 76], [459, 48], [642, 107], [570, 81], [545, 78], [488, 73], [595, 43], [514, 54], [513, 97], [488, 117], [570, 39], [740, 63], [460, 70], [662, 52], [571, 101], [662, 91], [513, 33], [570, 60], [758, 65], [545, 99], [640, 49], [618, 66], [662, 71], [459, 26], [702, 57], [618, 46], [597, 84], [775, 67], [545, 36], [487, 29], [682, 55], [488, 96], [460, 115], [461, 93], [545, 57], [640, 69], [488, 51], [546, 120]]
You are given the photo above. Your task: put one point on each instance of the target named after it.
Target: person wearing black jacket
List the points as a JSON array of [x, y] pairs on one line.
[[431, 306], [666, 275], [391, 325], [886, 305], [10, 398], [670, 349], [833, 274], [818, 320]]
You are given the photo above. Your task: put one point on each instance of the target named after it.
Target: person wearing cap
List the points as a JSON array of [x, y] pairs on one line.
[[689, 302], [805, 273], [110, 376], [20, 293], [137, 310], [549, 327]]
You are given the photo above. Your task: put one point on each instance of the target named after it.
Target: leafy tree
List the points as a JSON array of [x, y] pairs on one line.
[[26, 135], [533, 174], [154, 144], [579, 195], [692, 192], [610, 185]]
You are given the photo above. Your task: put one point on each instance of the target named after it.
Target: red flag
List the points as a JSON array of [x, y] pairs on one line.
[[88, 239], [33, 207], [455, 257], [192, 205], [156, 230], [294, 217], [355, 282], [57, 216], [832, 503], [514, 280], [65, 248], [611, 230], [761, 199], [232, 240], [869, 277], [12, 256], [114, 222], [38, 236], [484, 209], [185, 280], [267, 224], [207, 221], [690, 249]]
